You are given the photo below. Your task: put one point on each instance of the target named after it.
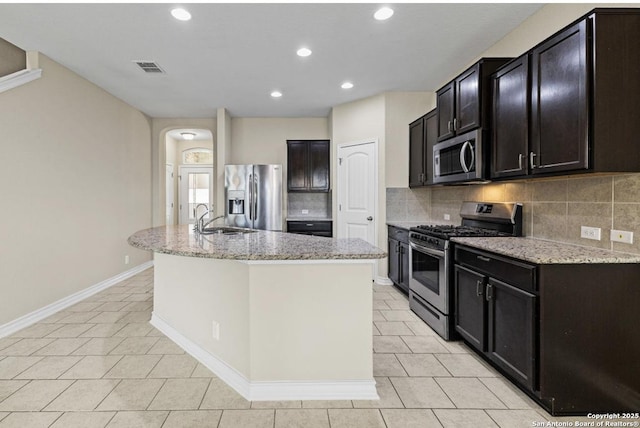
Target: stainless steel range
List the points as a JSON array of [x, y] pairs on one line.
[[431, 258]]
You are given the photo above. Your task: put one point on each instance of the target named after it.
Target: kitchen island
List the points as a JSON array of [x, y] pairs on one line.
[[275, 315]]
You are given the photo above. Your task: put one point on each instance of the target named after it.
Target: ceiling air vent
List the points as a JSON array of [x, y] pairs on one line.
[[149, 67]]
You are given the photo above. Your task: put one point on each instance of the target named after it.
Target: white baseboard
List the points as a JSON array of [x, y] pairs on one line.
[[383, 280], [268, 391], [42, 313]]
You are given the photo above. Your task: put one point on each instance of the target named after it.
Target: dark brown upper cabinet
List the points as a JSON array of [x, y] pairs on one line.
[[559, 102], [464, 103], [308, 165], [584, 103], [510, 127], [423, 133]]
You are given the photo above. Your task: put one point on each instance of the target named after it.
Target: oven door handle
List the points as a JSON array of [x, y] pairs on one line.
[[430, 251]]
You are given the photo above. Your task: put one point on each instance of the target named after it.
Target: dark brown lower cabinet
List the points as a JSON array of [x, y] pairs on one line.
[[511, 331], [498, 320], [470, 308], [316, 228], [398, 251], [566, 334]]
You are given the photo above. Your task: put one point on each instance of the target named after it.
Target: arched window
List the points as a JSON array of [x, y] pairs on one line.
[[197, 155]]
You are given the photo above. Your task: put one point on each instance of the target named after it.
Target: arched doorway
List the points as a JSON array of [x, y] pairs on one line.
[[189, 175]]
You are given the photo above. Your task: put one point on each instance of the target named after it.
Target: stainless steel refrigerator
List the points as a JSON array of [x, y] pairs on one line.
[[253, 196]]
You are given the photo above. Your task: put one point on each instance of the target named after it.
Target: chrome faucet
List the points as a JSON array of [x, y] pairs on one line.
[[198, 226], [211, 221]]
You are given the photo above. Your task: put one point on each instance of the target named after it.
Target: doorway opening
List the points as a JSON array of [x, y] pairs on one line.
[[189, 174]]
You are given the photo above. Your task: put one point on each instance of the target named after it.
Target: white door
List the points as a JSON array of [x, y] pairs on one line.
[[170, 195], [196, 187], [357, 189]]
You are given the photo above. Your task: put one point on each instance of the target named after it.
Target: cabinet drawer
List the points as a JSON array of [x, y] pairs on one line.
[[398, 234], [309, 226], [520, 274]]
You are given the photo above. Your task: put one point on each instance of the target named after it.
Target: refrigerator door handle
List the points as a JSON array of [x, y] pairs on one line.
[[255, 197], [250, 196]]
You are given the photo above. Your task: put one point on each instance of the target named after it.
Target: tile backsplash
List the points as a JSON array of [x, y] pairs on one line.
[[554, 208], [316, 205]]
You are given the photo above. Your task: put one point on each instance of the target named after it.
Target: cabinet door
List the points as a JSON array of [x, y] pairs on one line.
[[512, 331], [430, 138], [559, 102], [470, 308], [510, 127], [297, 165], [446, 111], [318, 166], [404, 267], [416, 153], [467, 104], [394, 261]]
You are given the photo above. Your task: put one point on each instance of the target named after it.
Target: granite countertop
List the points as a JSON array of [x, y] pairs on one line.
[[181, 240], [547, 252]]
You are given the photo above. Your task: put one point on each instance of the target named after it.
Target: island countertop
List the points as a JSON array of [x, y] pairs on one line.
[[181, 240], [547, 252]]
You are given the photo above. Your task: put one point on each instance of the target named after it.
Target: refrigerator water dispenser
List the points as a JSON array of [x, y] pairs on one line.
[[235, 204]]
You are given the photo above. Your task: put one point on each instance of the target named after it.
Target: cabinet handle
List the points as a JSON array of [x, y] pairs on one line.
[[479, 286], [455, 124], [310, 224], [520, 158], [489, 292], [483, 259], [449, 126], [531, 160]]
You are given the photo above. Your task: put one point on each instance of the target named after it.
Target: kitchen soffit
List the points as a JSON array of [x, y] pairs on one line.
[[233, 55]]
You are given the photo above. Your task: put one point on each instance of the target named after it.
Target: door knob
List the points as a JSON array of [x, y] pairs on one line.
[[370, 218]]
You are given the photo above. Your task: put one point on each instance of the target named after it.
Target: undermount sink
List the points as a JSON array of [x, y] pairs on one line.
[[224, 230]]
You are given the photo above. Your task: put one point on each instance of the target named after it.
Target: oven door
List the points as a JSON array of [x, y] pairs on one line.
[[429, 276]]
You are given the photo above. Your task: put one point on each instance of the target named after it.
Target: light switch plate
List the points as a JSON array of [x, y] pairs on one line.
[[447, 217], [623, 236]]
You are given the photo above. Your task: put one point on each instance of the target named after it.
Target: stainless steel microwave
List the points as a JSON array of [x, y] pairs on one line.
[[460, 159]]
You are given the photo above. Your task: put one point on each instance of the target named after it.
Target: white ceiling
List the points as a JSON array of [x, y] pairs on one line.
[[234, 55]]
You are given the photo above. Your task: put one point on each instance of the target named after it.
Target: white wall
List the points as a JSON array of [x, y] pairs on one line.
[[264, 140], [75, 183], [223, 156], [13, 58], [402, 108]]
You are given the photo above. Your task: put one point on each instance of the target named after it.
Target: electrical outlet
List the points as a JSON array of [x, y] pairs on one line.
[[590, 233], [305, 211], [623, 236], [447, 217], [126, 260], [215, 330]]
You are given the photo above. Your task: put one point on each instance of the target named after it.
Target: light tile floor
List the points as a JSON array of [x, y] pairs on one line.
[[101, 364]]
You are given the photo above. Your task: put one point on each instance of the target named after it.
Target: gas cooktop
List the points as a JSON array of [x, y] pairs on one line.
[[446, 231]]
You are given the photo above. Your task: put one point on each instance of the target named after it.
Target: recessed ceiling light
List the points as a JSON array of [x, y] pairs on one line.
[[188, 135], [304, 52], [383, 13], [180, 14], [276, 94], [347, 85]]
